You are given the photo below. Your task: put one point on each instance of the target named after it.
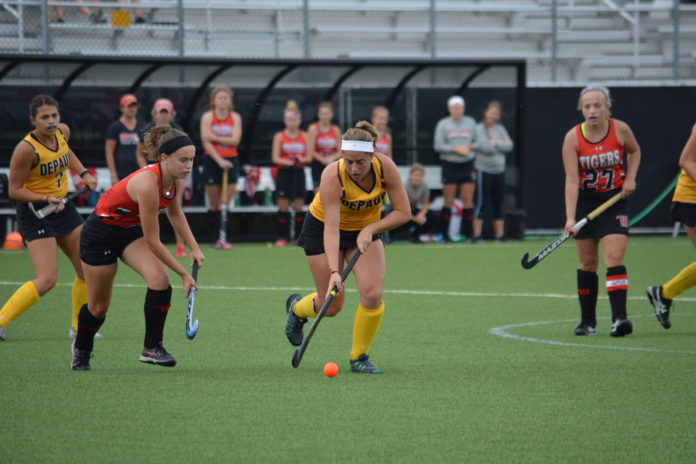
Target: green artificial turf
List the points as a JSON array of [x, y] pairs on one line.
[[452, 389]]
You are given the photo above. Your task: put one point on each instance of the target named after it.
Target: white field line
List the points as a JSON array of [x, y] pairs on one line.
[[502, 331], [241, 288]]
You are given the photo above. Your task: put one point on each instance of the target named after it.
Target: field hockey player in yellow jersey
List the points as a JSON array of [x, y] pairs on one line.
[[344, 217], [39, 171], [684, 211]]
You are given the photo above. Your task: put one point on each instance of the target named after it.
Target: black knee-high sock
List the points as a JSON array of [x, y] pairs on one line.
[[467, 222], [157, 304], [445, 216], [617, 288], [283, 224], [87, 328], [587, 293], [299, 220]]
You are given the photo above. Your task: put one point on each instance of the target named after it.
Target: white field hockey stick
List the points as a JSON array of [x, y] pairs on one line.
[[530, 263], [51, 207], [191, 325], [222, 236], [297, 357]]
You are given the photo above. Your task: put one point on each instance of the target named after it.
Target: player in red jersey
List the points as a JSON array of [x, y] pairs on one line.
[[221, 132], [323, 141], [380, 121], [595, 170], [290, 156], [125, 225]]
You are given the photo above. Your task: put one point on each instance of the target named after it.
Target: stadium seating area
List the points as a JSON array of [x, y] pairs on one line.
[[595, 40]]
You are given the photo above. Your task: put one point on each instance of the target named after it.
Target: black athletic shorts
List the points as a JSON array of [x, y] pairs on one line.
[[317, 169], [458, 173], [291, 183], [212, 172], [312, 237], [53, 225], [612, 221], [102, 244], [684, 213]]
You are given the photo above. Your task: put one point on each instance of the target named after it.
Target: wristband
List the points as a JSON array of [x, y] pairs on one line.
[[83, 172], [333, 270]]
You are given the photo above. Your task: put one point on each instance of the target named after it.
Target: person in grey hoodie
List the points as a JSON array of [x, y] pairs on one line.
[[493, 142], [455, 138]]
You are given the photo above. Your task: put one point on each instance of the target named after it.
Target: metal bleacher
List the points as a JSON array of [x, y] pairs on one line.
[[606, 40]]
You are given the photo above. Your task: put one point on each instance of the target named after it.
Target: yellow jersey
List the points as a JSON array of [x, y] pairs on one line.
[[358, 207], [685, 191], [47, 176]]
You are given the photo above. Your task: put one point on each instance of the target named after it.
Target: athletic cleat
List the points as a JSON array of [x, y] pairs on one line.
[[660, 304], [585, 329], [157, 355], [364, 366], [621, 327], [73, 334], [80, 359], [293, 324], [3, 334], [281, 242], [219, 245]]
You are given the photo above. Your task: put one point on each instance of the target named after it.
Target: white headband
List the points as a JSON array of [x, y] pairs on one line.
[[357, 145], [455, 100]]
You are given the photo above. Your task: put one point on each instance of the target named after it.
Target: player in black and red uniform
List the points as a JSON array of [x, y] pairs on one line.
[[595, 169], [125, 225], [290, 154], [323, 142]]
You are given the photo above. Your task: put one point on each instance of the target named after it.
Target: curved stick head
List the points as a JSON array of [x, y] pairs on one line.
[[192, 330], [528, 264], [296, 359]]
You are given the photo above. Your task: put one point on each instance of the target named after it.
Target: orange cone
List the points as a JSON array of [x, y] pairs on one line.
[[13, 241]]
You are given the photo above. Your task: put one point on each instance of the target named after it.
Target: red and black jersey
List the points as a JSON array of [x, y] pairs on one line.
[[383, 143], [600, 164], [117, 208], [292, 148], [224, 128], [326, 143]]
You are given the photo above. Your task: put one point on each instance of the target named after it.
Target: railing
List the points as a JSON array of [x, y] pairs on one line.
[[549, 33]]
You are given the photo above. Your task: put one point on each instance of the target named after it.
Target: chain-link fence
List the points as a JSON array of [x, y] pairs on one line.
[[564, 41]]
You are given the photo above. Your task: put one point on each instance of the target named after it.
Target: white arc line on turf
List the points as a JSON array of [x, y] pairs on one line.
[[502, 331]]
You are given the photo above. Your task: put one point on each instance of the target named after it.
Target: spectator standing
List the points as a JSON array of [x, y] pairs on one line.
[[122, 137], [455, 139], [493, 143]]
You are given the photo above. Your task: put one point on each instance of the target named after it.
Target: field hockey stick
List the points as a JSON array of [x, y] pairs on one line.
[[297, 357], [191, 325], [51, 207], [530, 263], [222, 237]]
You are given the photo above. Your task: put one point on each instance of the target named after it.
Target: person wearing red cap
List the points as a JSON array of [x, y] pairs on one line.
[[162, 113], [122, 137]]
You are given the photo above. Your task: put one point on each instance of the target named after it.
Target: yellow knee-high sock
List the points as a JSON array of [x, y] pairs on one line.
[[680, 282], [365, 329], [23, 299], [305, 307], [79, 298]]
